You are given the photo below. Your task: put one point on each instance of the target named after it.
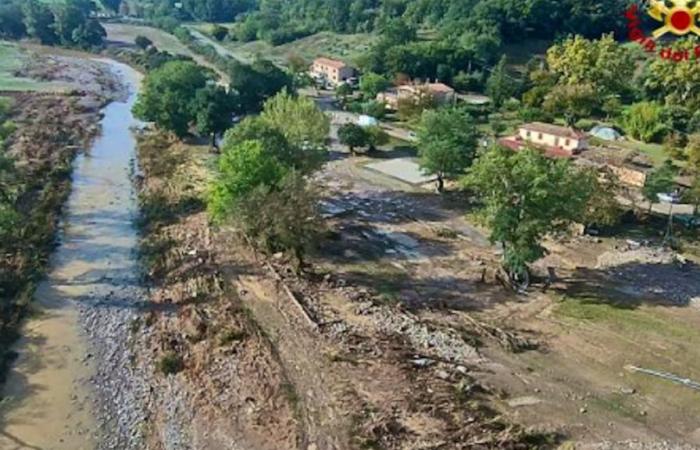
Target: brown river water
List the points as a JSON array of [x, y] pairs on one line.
[[73, 386]]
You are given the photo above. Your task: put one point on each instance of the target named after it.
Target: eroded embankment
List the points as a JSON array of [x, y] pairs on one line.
[[217, 380]]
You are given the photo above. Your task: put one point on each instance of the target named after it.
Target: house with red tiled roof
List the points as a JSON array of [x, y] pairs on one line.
[[331, 70], [555, 140]]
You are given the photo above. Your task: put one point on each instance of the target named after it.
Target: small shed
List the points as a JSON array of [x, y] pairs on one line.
[[605, 133]]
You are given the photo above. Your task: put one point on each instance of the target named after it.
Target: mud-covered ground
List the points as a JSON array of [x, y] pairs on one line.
[[563, 364], [268, 360]]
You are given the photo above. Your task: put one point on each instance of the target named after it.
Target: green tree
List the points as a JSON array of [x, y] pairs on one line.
[[676, 83], [214, 111], [39, 22], [447, 140], [602, 208], [603, 64], [659, 181], [353, 136], [12, 20], [219, 32], [257, 82], [499, 85], [342, 92], [168, 96], [371, 84], [525, 196], [411, 108], [692, 154], [374, 109], [282, 218], [574, 102], [243, 167], [305, 127], [376, 137], [643, 121]]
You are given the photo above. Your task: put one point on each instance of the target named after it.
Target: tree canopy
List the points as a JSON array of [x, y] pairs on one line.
[[447, 141], [525, 196]]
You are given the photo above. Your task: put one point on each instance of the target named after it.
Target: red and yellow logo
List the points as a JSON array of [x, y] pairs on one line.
[[678, 16]]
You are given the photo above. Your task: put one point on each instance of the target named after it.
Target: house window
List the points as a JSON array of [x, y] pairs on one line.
[[528, 134], [556, 142], [567, 142], [539, 136]]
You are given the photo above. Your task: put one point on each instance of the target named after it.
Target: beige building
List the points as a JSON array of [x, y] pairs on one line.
[[555, 140], [331, 70], [442, 93]]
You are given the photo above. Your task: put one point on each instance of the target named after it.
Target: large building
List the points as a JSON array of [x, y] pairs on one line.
[[332, 71], [556, 141], [441, 93]]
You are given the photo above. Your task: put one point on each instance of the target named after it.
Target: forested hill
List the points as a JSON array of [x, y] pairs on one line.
[[510, 20]]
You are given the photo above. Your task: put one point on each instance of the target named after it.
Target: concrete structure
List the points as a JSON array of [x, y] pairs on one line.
[[556, 141], [332, 71], [442, 93], [405, 169]]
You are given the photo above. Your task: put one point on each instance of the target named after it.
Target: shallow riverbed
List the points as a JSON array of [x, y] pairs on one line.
[[73, 386]]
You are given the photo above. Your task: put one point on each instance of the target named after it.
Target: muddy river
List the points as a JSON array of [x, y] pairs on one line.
[[73, 386]]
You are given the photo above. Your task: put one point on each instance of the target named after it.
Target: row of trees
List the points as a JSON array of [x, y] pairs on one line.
[[183, 97], [262, 182], [66, 23]]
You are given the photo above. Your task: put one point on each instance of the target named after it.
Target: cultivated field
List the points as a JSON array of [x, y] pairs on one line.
[[346, 47]]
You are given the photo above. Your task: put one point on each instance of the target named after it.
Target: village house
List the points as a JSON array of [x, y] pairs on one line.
[[555, 140], [441, 93], [332, 71]]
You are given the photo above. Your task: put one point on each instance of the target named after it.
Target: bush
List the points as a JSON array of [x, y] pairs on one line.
[[585, 124], [143, 42], [644, 121], [219, 32], [171, 363]]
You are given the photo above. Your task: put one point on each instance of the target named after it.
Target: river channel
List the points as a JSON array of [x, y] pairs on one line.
[[73, 385]]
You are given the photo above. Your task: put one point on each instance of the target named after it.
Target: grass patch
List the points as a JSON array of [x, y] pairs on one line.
[[346, 47], [171, 363], [654, 151], [12, 58], [617, 403], [230, 336], [625, 319]]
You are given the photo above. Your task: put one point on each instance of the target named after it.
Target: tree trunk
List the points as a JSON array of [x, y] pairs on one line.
[[440, 184], [299, 257]]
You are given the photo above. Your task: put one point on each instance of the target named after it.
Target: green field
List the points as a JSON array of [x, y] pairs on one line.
[[11, 59], [346, 47]]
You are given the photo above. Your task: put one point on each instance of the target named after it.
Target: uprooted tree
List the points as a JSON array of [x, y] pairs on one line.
[[525, 196]]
